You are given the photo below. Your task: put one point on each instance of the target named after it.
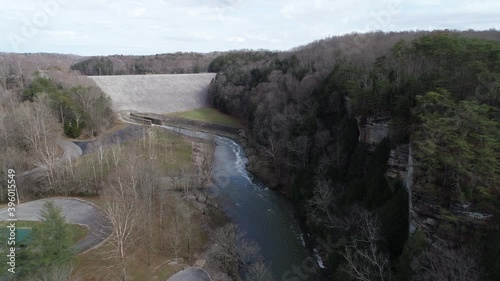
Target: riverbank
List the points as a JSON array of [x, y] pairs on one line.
[[205, 215], [256, 165]]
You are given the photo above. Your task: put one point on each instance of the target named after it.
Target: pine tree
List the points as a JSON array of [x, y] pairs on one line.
[[51, 242]]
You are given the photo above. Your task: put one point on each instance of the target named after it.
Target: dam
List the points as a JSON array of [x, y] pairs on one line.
[[158, 94]]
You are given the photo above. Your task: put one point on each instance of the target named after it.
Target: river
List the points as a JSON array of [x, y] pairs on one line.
[[264, 215]]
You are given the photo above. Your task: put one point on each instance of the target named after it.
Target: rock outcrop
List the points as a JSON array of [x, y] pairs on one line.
[[451, 224], [373, 130]]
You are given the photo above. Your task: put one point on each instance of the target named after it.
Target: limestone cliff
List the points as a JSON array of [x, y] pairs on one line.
[[455, 222], [373, 130]]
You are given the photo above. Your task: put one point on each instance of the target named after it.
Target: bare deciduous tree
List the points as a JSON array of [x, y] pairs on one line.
[[148, 189], [299, 147], [207, 153], [323, 204], [176, 224], [272, 150], [189, 231], [203, 161], [364, 260], [38, 128], [230, 249], [123, 208], [446, 264], [259, 271], [162, 191]]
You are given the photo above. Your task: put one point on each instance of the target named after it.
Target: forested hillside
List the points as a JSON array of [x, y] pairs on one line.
[[137, 179], [42, 101], [363, 132]]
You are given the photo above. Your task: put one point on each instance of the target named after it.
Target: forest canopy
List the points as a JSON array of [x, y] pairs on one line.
[[437, 93]]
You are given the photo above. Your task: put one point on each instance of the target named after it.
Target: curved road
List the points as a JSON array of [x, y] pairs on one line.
[[191, 274], [75, 211], [71, 150]]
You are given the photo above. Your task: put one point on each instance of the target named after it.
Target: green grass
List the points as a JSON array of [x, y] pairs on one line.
[[78, 232], [173, 151], [181, 157], [210, 115]]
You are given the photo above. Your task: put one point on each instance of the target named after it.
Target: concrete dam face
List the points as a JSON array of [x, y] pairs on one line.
[[157, 94]]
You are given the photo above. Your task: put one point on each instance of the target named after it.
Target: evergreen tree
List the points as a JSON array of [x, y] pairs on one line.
[[51, 241]]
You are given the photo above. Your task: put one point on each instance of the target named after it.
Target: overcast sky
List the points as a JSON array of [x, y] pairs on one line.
[[102, 27]]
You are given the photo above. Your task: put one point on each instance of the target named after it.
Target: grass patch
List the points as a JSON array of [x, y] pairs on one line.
[[210, 115], [174, 151], [78, 232]]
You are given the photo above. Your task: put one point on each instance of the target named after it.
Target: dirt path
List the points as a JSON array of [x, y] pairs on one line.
[[76, 211]]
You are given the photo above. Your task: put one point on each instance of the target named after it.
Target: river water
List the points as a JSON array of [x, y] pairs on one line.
[[264, 215]]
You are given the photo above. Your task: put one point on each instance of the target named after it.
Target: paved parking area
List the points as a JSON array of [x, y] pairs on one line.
[[191, 274], [76, 211]]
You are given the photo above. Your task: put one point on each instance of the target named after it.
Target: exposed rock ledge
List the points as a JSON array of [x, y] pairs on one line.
[[372, 130]]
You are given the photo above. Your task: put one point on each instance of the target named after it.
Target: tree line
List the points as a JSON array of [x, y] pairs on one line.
[[176, 63]]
